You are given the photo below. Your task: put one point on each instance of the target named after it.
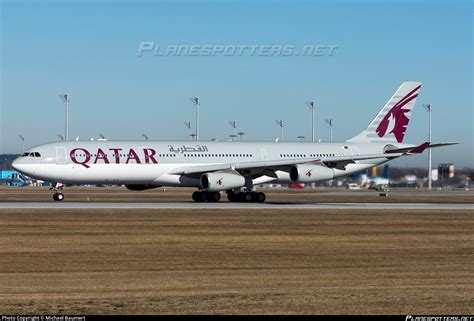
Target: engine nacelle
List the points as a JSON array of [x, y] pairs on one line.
[[214, 182], [310, 173]]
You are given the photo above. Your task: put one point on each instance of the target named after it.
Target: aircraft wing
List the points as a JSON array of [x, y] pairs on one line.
[[284, 164]]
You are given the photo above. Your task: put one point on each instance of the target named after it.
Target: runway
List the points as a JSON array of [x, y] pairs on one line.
[[227, 205]]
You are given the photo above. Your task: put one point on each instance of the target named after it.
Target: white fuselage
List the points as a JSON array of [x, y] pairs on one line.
[[150, 162]]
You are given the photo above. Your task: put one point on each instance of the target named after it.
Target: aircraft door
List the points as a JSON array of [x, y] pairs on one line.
[[61, 155], [263, 153], [355, 150]]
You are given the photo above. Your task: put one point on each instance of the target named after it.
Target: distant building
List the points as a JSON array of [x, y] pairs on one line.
[[445, 171]]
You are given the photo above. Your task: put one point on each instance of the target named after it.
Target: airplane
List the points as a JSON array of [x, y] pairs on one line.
[[234, 167]]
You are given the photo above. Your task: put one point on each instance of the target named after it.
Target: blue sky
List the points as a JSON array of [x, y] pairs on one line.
[[89, 49]]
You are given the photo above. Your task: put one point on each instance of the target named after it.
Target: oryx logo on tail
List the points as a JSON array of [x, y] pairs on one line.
[[391, 122], [395, 121]]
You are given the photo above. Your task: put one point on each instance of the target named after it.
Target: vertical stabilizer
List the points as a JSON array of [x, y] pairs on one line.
[[391, 122]]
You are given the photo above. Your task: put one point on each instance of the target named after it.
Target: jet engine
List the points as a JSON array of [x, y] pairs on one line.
[[310, 173], [214, 182]]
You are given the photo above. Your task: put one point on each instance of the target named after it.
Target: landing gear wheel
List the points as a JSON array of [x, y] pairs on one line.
[[232, 197], [248, 197], [200, 196], [240, 197], [244, 197], [58, 196], [213, 197]]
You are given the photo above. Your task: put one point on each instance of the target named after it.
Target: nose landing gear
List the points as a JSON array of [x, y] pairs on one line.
[[57, 188], [58, 196]]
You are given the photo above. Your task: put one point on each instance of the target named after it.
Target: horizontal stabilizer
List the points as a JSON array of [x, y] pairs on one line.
[[417, 149]]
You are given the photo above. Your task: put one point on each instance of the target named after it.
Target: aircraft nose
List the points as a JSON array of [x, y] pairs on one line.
[[15, 164], [18, 165]]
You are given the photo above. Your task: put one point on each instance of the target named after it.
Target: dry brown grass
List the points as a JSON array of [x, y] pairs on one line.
[[236, 261]]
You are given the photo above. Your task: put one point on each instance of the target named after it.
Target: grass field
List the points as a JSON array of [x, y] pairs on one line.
[[236, 261]]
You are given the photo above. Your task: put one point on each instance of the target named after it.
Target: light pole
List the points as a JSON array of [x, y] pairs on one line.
[[280, 123], [61, 137], [145, 136], [312, 106], [22, 143], [329, 122], [240, 135], [233, 124], [196, 102], [188, 126], [429, 110], [65, 99]]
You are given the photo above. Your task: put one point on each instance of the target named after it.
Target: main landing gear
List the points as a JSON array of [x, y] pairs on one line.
[[256, 197], [206, 196]]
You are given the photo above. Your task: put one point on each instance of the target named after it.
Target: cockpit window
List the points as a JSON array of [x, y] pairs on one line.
[[32, 154], [24, 155]]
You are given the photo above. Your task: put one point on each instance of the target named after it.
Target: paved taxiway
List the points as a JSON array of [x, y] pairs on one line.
[[227, 205]]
